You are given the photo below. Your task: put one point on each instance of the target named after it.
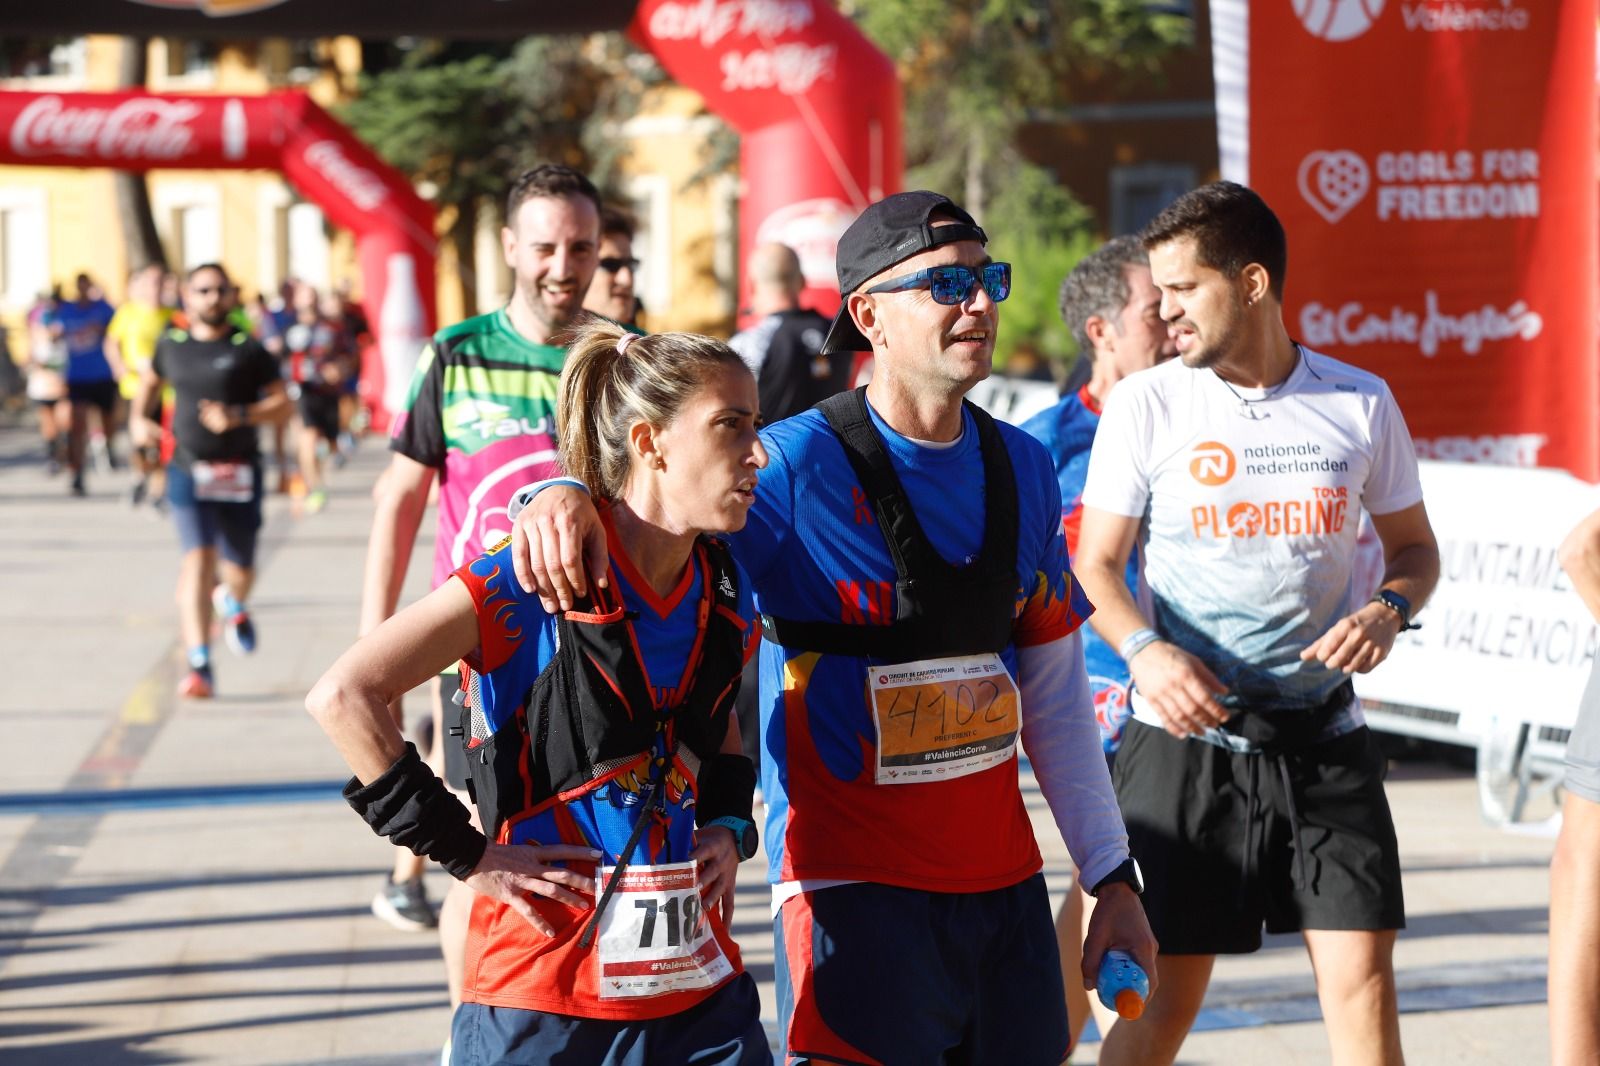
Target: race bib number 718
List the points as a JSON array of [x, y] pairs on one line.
[[654, 935]]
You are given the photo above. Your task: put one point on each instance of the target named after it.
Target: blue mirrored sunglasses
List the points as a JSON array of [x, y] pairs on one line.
[[950, 285]]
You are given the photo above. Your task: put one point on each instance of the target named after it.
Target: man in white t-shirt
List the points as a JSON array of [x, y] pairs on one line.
[[1252, 790]]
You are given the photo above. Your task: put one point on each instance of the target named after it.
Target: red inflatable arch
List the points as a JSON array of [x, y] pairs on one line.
[[325, 163], [817, 107]]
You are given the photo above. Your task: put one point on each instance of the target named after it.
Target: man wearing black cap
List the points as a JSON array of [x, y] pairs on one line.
[[907, 557]]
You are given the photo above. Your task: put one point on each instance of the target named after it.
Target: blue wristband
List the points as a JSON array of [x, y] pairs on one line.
[[524, 496], [1136, 642]]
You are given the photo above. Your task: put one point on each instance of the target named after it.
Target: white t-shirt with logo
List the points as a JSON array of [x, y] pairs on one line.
[[1250, 512]]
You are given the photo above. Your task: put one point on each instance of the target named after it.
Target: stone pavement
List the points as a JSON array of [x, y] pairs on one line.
[[180, 882]]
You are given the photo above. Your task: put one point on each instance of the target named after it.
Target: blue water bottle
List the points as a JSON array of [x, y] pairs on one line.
[[1123, 986]]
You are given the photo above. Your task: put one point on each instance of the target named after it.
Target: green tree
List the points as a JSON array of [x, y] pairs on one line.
[[462, 120], [972, 70]]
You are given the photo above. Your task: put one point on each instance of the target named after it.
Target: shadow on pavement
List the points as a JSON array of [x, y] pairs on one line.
[[428, 952], [125, 1051], [309, 914]]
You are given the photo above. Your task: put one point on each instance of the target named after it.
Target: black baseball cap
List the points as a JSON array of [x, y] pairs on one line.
[[895, 228]]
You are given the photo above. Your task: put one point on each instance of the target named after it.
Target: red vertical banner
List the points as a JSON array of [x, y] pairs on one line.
[[1434, 164]]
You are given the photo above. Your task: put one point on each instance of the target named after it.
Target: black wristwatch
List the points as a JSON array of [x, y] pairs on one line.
[[745, 837], [1398, 604], [1126, 874]]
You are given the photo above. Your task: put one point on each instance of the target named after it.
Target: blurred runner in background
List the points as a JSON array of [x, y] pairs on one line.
[[131, 340], [224, 384], [611, 294], [91, 377]]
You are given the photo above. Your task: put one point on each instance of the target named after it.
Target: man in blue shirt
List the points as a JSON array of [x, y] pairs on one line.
[[91, 379]]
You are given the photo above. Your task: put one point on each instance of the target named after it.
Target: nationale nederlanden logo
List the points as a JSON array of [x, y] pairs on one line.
[[1334, 182], [1213, 463], [1338, 20]]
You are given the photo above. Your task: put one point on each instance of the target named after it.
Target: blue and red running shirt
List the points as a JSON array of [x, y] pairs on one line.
[[1067, 432], [508, 963], [813, 548]]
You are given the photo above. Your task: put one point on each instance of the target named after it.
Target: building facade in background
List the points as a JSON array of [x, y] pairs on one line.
[[57, 221]]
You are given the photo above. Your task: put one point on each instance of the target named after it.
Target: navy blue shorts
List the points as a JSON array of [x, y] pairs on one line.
[[872, 973], [724, 1029], [230, 527]]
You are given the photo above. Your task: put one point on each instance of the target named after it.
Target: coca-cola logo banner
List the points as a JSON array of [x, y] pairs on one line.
[[141, 130]]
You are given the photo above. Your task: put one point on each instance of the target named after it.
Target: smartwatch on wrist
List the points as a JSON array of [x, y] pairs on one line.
[[1398, 604], [1126, 874], [745, 838]]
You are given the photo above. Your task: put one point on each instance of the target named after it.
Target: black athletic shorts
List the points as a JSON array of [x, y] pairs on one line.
[[320, 413], [101, 394], [1225, 847]]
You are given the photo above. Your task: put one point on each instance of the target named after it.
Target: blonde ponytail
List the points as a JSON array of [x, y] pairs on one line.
[[613, 379]]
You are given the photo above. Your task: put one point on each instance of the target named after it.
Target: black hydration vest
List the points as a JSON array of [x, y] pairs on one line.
[[590, 711], [941, 610]]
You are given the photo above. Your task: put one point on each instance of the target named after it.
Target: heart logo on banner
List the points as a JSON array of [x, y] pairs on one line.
[[1334, 182]]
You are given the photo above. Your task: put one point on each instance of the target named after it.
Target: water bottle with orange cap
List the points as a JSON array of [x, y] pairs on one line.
[[1123, 985]]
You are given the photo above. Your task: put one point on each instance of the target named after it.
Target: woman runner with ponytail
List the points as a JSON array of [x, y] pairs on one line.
[[604, 762]]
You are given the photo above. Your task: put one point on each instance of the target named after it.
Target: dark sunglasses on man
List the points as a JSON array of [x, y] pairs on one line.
[[949, 285], [612, 263]]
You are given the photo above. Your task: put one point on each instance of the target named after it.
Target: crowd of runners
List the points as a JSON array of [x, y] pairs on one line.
[[912, 594], [85, 359]]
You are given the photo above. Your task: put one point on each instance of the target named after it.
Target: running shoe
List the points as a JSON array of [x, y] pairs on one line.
[[237, 629], [137, 494], [196, 685], [404, 905], [316, 501], [77, 487]]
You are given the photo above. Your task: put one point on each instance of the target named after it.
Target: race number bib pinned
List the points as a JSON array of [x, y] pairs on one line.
[[654, 936], [939, 719], [224, 482]]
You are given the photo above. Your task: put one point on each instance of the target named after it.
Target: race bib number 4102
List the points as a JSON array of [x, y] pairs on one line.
[[939, 719], [654, 937]]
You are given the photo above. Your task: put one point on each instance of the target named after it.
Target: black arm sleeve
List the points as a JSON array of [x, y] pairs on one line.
[[411, 807]]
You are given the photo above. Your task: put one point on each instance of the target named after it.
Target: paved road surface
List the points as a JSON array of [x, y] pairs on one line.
[[180, 882]]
